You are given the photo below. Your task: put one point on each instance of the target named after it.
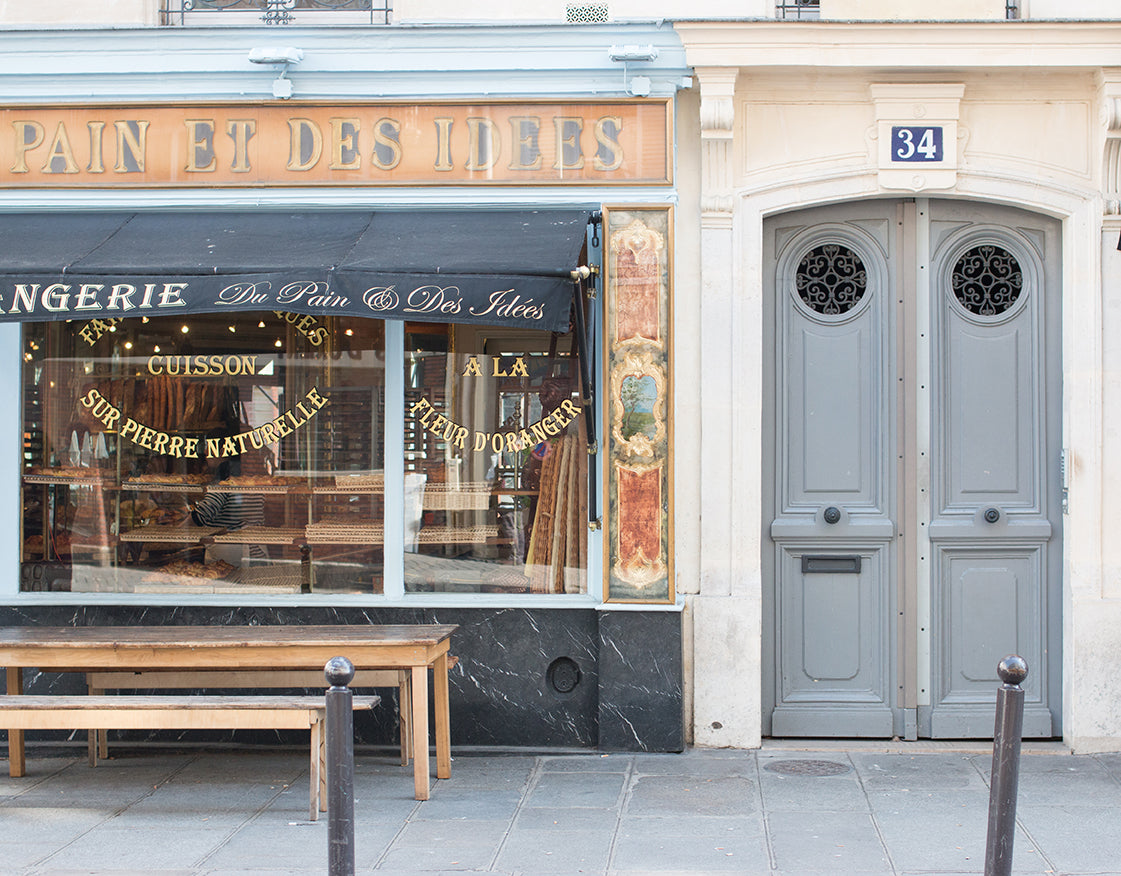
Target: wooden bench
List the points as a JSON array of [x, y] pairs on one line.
[[419, 649], [24, 712], [260, 679]]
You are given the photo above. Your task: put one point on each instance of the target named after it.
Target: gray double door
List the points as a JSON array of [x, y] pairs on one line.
[[912, 468]]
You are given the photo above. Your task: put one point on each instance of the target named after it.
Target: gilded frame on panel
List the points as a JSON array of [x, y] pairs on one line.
[[638, 549]]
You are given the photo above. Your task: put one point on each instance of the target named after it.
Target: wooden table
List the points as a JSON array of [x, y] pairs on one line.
[[418, 648]]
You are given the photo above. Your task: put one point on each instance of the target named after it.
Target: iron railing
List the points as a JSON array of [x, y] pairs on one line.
[[179, 12]]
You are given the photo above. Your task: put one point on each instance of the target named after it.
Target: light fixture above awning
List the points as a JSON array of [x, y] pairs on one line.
[[488, 267]]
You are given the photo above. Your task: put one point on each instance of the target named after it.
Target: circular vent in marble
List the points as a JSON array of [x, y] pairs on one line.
[[563, 675]]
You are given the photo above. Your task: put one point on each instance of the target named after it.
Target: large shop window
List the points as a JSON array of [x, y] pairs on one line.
[[496, 460], [244, 451]]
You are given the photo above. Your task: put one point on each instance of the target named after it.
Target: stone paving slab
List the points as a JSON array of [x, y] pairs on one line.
[[799, 810]]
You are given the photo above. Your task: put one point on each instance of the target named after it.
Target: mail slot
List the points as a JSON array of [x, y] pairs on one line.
[[831, 564]]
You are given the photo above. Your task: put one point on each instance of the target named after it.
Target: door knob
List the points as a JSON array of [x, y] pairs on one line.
[[992, 515], [832, 515]]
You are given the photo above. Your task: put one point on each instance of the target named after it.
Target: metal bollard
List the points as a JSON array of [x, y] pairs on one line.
[[340, 767], [1006, 766]]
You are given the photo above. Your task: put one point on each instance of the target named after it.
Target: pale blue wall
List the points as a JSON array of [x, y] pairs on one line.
[[341, 63]]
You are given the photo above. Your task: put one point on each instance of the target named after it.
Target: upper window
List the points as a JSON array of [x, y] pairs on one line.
[[279, 12], [812, 9], [798, 9]]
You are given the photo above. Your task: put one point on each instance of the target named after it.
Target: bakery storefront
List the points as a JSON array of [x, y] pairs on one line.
[[358, 414]]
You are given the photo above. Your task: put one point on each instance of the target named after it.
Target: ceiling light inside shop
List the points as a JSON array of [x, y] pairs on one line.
[[349, 333], [143, 319], [156, 348], [232, 328], [184, 328], [27, 357], [128, 345], [261, 324], [277, 343]]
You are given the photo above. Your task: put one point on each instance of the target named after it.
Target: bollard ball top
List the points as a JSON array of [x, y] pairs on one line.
[[1013, 669], [339, 672]]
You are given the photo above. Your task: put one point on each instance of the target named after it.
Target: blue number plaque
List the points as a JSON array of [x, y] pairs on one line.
[[913, 143]]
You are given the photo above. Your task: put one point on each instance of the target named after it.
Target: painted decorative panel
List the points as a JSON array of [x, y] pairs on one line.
[[639, 554]]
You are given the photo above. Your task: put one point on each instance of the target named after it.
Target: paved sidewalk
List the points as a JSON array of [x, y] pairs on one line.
[[789, 810]]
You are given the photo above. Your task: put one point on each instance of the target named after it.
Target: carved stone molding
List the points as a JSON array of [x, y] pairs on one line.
[[718, 124], [718, 109], [716, 175], [1110, 115], [914, 111], [1111, 170]]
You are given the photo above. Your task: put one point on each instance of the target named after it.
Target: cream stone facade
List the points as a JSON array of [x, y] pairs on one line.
[[788, 120], [781, 117], [54, 13]]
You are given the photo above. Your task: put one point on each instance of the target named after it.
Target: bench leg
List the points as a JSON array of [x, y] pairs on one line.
[[442, 717], [16, 763], [420, 731], [404, 707], [97, 741], [318, 753]]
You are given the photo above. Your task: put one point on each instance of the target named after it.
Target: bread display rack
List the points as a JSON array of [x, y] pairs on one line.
[[364, 530]]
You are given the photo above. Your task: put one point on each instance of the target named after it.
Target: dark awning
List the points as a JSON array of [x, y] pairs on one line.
[[509, 268]]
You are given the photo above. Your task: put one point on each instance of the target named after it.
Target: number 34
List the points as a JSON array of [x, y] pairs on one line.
[[927, 146]]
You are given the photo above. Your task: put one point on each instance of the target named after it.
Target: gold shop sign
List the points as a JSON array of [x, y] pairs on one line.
[[231, 145], [180, 445]]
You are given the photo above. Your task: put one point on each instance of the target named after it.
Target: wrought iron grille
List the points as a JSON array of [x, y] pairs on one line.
[[177, 12], [1012, 9], [586, 13], [798, 9], [987, 280], [831, 279]]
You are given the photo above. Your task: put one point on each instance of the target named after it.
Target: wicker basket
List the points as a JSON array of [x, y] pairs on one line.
[[473, 496]]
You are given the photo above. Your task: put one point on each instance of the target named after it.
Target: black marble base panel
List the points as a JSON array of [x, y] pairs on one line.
[[528, 678]]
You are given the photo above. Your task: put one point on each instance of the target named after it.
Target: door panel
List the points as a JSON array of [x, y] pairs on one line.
[[984, 432], [835, 459], [833, 449], [995, 449], [941, 478], [989, 605], [836, 666]]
